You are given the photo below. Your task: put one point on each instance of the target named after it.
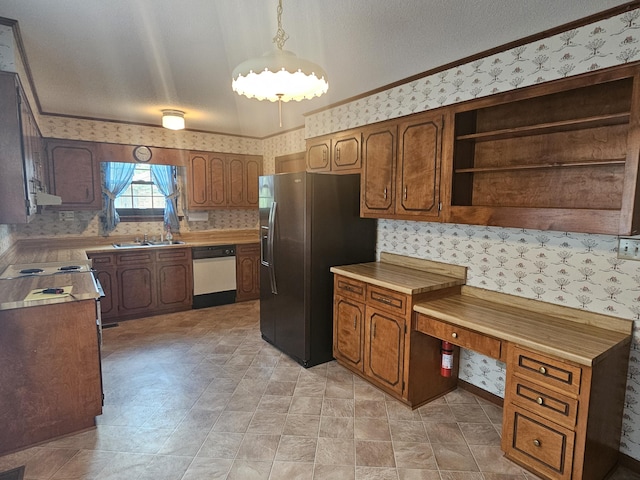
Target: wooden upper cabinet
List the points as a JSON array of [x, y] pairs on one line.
[[221, 181], [401, 168], [22, 161], [378, 174], [419, 159], [558, 156], [318, 155], [74, 174], [339, 153]]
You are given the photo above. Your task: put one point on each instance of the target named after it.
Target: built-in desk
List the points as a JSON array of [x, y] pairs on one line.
[[565, 375]]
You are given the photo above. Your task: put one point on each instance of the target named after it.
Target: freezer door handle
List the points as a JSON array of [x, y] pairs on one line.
[[270, 235]]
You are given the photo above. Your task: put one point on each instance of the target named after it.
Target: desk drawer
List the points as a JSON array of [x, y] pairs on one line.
[[544, 402], [544, 446], [350, 288], [462, 337], [393, 302], [548, 371]]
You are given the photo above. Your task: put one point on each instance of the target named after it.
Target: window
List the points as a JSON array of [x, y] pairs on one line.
[[141, 200]]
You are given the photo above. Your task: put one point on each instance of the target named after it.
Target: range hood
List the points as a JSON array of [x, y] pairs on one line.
[[47, 199]]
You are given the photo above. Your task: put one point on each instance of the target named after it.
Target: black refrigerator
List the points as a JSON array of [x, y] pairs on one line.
[[309, 222]]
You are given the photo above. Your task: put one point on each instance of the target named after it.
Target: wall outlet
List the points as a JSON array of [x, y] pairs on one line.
[[629, 248], [66, 216]]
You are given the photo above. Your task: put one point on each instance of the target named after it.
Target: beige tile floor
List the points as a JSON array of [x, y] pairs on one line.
[[199, 395]]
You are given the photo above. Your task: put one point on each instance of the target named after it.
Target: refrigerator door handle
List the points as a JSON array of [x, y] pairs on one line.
[[270, 240]]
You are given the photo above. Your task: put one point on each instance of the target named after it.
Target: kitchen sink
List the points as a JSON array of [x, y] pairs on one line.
[[147, 244]]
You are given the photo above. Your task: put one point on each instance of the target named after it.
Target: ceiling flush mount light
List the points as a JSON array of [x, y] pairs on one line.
[[279, 75], [173, 119]]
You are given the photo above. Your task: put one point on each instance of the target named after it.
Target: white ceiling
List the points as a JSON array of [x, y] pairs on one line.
[[126, 60]]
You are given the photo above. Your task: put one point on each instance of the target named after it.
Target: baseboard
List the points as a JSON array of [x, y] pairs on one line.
[[489, 397], [628, 462]]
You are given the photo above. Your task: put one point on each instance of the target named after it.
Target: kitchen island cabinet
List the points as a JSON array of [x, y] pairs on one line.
[[50, 375], [372, 317]]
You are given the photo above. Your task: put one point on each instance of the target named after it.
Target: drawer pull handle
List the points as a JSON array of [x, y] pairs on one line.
[[539, 400], [385, 300], [536, 443], [542, 370], [454, 335]]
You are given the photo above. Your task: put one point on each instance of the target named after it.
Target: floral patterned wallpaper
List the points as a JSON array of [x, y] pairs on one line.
[[606, 43]]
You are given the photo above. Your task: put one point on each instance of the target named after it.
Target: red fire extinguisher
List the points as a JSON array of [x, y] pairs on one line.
[[446, 364]]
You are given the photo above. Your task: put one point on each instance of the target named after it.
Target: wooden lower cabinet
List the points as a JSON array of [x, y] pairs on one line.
[[563, 420], [50, 378], [247, 272], [371, 337], [144, 282], [384, 348]]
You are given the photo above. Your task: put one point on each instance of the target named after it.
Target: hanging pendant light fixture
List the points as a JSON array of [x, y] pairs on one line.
[[279, 75]]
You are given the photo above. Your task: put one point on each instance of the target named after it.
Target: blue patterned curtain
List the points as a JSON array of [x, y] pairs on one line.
[[163, 177], [117, 177]]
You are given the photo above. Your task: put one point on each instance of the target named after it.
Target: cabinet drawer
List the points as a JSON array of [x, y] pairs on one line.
[[462, 337], [544, 402], [349, 288], [172, 254], [102, 260], [136, 257], [549, 371], [387, 300], [248, 249], [536, 442]]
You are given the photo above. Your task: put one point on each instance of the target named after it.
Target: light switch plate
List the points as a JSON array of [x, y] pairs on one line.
[[629, 248]]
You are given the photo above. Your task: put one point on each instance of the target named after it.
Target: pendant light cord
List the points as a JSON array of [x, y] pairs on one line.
[[281, 36]]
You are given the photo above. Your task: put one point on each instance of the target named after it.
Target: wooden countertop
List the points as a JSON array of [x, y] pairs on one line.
[[575, 335], [65, 249], [407, 275], [13, 291]]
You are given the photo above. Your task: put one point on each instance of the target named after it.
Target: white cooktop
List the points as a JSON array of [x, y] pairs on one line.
[[49, 268]]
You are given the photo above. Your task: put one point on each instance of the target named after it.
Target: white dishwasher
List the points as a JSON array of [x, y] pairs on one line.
[[214, 275]]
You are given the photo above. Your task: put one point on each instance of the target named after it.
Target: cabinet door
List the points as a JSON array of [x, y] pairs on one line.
[[198, 183], [419, 160], [348, 317], [173, 285], [74, 174], [252, 172], [379, 159], [218, 181], [236, 185], [174, 276], [247, 272], [105, 271], [318, 155], [384, 348], [136, 282], [346, 153], [136, 289]]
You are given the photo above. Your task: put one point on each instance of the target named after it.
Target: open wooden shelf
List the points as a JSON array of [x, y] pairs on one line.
[[551, 127], [614, 161]]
